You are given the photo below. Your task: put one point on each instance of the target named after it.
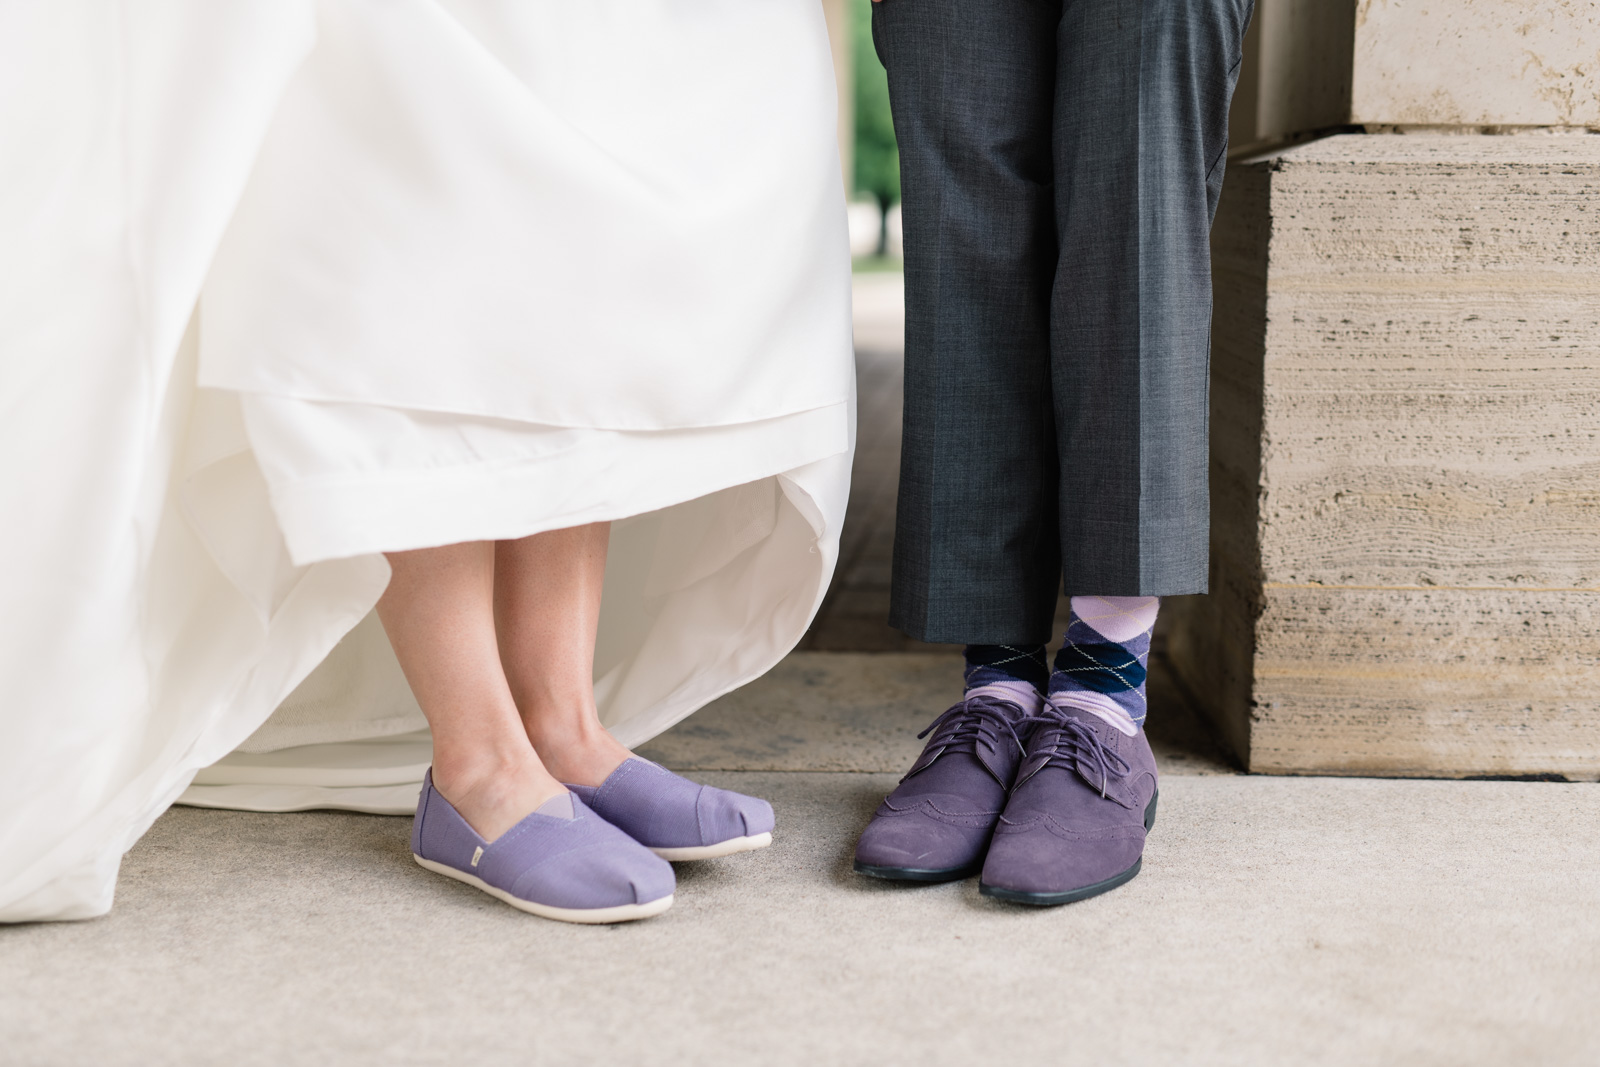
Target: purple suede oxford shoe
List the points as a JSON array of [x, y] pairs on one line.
[[1084, 799], [937, 822], [561, 862], [675, 818]]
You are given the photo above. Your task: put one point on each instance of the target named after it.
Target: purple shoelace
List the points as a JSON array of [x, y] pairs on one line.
[[1074, 740], [976, 718]]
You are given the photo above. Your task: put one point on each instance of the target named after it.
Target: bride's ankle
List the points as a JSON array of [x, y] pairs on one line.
[[491, 782], [582, 756]]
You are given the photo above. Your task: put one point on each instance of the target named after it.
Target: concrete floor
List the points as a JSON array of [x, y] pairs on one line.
[[1277, 920]]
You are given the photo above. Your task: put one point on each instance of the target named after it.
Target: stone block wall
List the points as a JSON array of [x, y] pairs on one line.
[[1464, 64], [1476, 63], [1406, 459]]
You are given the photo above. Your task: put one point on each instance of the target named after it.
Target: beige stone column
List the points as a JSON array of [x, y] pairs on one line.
[[1406, 395]]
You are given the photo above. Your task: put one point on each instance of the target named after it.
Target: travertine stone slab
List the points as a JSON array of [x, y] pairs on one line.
[[1482, 62], [1433, 352], [1406, 459], [1427, 681], [1471, 64]]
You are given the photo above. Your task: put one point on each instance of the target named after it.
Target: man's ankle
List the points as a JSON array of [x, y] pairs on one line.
[[1021, 694], [493, 794], [1024, 663]]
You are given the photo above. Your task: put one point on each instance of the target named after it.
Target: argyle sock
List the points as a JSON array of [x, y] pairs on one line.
[[987, 664], [1100, 668]]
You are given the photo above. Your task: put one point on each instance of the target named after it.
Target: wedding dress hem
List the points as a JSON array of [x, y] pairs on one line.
[[602, 476]]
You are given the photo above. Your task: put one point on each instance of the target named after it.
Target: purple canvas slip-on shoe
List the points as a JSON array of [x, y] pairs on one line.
[[1075, 826], [578, 869], [675, 818], [936, 824]]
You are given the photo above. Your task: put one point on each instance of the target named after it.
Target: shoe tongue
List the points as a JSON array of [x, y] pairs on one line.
[[1024, 696], [557, 807], [1044, 742], [998, 760]]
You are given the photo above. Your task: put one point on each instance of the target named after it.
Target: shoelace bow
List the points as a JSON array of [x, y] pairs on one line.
[[1078, 742], [978, 718]]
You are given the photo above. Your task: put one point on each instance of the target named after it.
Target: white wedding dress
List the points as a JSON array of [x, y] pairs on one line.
[[285, 284]]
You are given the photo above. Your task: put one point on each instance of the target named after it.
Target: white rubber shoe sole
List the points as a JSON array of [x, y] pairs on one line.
[[711, 852], [619, 914]]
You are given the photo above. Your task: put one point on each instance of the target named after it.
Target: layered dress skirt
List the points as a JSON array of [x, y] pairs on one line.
[[295, 284]]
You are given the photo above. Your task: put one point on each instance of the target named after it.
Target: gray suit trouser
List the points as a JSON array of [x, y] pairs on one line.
[[1060, 165]]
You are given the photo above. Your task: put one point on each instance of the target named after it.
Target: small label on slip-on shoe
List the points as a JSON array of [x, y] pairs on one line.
[[477, 854]]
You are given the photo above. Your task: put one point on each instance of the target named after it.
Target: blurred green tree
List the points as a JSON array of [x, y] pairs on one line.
[[877, 157]]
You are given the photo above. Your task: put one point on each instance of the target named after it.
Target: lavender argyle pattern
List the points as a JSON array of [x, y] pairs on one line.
[[1103, 658]]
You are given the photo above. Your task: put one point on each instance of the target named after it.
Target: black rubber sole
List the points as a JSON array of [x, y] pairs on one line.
[[1068, 896], [1018, 896], [917, 874]]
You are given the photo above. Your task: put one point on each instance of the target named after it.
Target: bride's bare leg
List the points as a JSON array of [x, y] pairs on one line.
[[547, 609], [439, 614]]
